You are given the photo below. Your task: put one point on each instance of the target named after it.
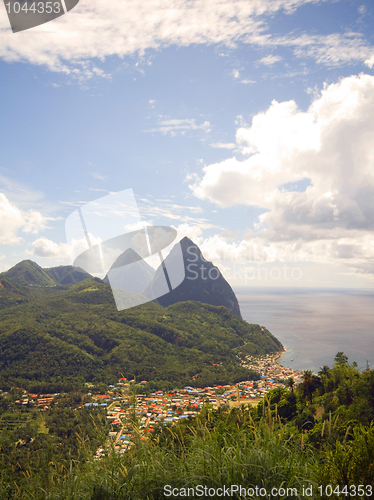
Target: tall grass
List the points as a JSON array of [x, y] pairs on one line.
[[218, 453], [261, 454]]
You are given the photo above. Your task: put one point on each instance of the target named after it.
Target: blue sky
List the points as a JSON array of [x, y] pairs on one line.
[[247, 125]]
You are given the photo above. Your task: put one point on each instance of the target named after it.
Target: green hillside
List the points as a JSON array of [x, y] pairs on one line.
[[67, 275], [76, 334], [10, 293], [28, 273]]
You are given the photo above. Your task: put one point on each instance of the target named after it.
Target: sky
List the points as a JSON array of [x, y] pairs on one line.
[[247, 125]]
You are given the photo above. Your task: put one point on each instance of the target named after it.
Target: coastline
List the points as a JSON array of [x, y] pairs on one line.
[[272, 373], [313, 324]]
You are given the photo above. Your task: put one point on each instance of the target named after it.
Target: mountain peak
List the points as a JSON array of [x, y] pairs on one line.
[[27, 273], [203, 281], [186, 242], [129, 256], [129, 272], [186, 239]]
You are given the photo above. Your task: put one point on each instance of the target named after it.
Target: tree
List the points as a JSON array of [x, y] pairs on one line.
[[341, 359], [310, 384], [325, 371], [325, 375], [290, 382]]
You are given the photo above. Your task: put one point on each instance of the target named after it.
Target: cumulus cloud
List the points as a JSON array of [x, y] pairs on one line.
[[12, 220], [34, 222], [43, 247], [193, 232], [331, 145], [273, 137], [95, 30]]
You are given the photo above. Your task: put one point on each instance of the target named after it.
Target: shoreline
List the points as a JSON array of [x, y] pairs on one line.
[[312, 344], [269, 369]]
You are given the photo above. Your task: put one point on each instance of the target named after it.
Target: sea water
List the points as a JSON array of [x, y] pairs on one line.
[[314, 324]]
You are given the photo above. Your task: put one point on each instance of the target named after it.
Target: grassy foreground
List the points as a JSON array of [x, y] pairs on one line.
[[315, 440], [217, 449]]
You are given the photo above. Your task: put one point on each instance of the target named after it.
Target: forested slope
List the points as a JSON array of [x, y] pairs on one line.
[[76, 334]]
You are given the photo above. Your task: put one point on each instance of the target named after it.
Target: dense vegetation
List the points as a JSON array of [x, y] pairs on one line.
[[316, 435], [29, 273], [55, 339]]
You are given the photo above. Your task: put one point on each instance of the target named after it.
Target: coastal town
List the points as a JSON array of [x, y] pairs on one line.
[[133, 412], [136, 415]]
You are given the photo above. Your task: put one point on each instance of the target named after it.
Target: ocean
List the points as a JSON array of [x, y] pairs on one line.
[[314, 324]]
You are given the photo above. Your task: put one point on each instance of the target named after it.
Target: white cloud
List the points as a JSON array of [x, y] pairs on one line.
[[330, 50], [273, 137], [370, 62], [173, 126], [43, 247], [193, 232], [331, 144], [269, 60], [247, 81], [235, 73], [163, 212], [223, 145], [34, 222], [13, 219], [334, 49], [96, 30], [137, 226], [3, 265]]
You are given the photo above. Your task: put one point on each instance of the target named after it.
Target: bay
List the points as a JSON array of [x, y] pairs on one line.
[[314, 324]]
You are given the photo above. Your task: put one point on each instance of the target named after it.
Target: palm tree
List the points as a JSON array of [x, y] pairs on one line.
[[324, 371], [290, 382], [310, 383], [325, 375]]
